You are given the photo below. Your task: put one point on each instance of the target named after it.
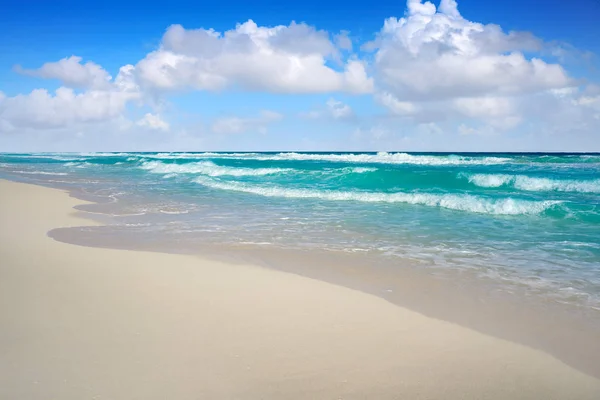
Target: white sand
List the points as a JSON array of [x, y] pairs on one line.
[[87, 323]]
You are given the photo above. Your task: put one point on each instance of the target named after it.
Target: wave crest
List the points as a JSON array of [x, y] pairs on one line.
[[388, 158], [211, 169], [468, 203], [207, 168], [527, 183], [379, 158]]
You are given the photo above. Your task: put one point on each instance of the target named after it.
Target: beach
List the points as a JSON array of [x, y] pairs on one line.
[[91, 323]]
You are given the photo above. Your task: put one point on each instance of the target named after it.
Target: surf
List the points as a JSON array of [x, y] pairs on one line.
[[535, 184], [459, 202]]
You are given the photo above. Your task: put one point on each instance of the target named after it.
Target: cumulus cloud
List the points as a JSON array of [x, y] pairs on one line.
[[434, 54], [343, 41], [41, 109], [433, 71], [281, 59], [394, 105], [72, 73], [333, 109], [590, 101], [571, 111], [338, 109], [230, 125], [153, 121], [499, 112]]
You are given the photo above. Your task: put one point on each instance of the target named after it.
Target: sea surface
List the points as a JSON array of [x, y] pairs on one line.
[[530, 221]]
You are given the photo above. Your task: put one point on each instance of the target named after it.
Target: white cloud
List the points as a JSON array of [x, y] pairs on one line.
[[563, 92], [444, 80], [333, 109], [229, 125], [281, 59], [433, 65], [66, 107], [164, 70], [72, 73], [394, 105], [437, 54], [465, 130], [589, 101], [343, 41], [153, 121], [339, 110], [487, 107], [498, 112], [429, 128], [42, 110]]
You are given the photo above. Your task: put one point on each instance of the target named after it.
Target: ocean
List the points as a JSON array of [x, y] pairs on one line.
[[526, 221]]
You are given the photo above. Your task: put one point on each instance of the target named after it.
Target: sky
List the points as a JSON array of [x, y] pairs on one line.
[[304, 76]]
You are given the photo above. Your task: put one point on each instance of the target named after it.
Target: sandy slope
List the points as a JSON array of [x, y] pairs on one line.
[[87, 323]]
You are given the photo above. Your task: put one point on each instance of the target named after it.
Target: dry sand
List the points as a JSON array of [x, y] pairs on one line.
[[88, 323]]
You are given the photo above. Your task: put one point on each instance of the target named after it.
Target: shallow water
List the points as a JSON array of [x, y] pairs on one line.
[[526, 221]]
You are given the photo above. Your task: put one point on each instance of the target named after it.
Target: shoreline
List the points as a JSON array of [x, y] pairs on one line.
[[457, 297], [127, 324]]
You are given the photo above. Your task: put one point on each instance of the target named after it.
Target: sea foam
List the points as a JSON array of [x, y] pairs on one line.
[[208, 168], [388, 158], [460, 202], [379, 158], [526, 183], [211, 169]]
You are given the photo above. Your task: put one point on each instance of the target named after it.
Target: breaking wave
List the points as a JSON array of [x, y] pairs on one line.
[[211, 169], [208, 168], [386, 158], [527, 183], [461, 202], [379, 158], [396, 158]]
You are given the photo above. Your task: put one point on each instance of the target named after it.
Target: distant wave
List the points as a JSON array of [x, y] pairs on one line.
[[391, 158], [397, 158], [56, 157], [208, 168], [527, 183], [77, 164], [211, 169], [361, 170], [340, 171], [186, 156], [581, 158], [200, 155], [469, 203], [404, 158], [105, 154], [379, 158]]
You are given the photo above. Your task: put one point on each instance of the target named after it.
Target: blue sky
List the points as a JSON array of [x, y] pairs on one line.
[[477, 76]]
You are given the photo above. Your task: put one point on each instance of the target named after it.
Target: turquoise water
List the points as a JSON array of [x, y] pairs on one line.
[[531, 220]]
